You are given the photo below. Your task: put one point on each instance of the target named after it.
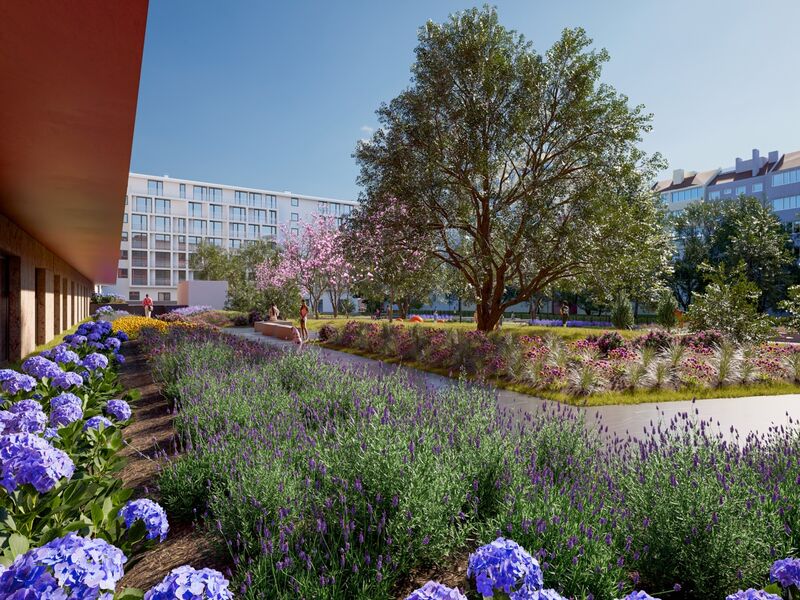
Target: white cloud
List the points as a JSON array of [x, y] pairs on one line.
[[367, 129]]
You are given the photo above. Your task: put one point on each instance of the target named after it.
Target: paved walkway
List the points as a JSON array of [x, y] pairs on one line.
[[746, 415]]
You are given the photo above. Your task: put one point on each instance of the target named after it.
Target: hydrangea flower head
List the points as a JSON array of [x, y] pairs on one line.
[[65, 408], [26, 405], [154, 517], [186, 583], [505, 565], [67, 380], [122, 336], [113, 343], [786, 572], [40, 367], [28, 459], [119, 409], [95, 361], [77, 340], [640, 595], [64, 356], [65, 568], [28, 417], [96, 422], [18, 382], [436, 591], [752, 594], [548, 594]]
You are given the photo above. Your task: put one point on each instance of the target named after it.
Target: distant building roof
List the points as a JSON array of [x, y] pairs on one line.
[[731, 175], [702, 178], [790, 160]]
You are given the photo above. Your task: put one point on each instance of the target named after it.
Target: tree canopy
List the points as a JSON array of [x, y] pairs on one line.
[[516, 168]]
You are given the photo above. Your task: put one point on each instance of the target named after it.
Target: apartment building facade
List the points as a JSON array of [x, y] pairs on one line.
[[773, 179], [166, 219]]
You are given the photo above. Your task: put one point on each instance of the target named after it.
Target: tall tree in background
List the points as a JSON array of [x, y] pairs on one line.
[[730, 232], [518, 169]]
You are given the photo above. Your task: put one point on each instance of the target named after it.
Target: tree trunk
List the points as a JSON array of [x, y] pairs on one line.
[[315, 302], [460, 316], [391, 307], [334, 302], [488, 316]]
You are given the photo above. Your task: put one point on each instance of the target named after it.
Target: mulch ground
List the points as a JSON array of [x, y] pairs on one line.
[[150, 438]]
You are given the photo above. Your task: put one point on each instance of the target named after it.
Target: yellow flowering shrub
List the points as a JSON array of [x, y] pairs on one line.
[[132, 325]]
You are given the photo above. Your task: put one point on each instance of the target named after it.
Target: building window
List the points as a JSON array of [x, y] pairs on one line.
[[139, 277], [161, 260], [164, 296], [125, 218], [215, 194], [786, 178], [234, 244], [162, 277], [194, 242], [273, 202], [180, 242], [195, 209], [182, 190], [180, 261], [179, 225], [741, 190], [122, 273], [199, 192], [269, 231], [139, 240], [215, 211], [295, 202], [273, 217], [198, 227], [787, 203], [295, 217], [236, 230], [139, 222], [138, 258], [258, 215], [133, 295], [685, 195], [123, 255], [295, 231], [161, 241], [162, 206], [216, 227], [161, 223], [155, 188], [713, 195], [253, 232], [141, 204], [237, 214], [758, 187], [179, 276], [322, 207], [125, 234], [215, 242], [240, 198]]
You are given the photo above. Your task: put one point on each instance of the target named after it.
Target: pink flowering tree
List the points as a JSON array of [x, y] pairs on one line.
[[313, 259]]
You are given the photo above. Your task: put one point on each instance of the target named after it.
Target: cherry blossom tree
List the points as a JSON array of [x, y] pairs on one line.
[[314, 259]]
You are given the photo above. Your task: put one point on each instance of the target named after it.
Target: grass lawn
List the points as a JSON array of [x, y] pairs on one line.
[[569, 334], [54, 342], [605, 398]]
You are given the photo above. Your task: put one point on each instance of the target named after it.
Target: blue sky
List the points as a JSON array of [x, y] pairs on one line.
[[276, 94]]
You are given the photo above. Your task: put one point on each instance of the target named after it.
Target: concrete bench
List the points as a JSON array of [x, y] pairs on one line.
[[277, 329]]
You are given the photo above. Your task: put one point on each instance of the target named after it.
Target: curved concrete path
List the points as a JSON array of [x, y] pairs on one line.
[[751, 414]]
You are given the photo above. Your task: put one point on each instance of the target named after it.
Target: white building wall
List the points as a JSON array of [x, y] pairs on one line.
[[165, 218]]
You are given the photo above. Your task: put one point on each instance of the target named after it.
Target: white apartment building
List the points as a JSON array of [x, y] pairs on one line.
[[166, 219]]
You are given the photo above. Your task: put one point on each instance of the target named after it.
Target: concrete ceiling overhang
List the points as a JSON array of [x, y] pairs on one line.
[[69, 81]]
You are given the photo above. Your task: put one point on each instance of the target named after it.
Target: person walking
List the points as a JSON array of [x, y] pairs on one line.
[[147, 303], [564, 314], [303, 317]]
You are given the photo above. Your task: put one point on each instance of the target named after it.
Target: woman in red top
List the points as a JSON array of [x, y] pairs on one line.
[[303, 317], [147, 303]]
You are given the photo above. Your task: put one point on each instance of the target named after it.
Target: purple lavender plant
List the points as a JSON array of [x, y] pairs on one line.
[[186, 583], [436, 591], [40, 367], [151, 513], [504, 565], [65, 568], [786, 572], [119, 409], [28, 459]]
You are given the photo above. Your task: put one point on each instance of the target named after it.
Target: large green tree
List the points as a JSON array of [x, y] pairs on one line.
[[518, 169], [730, 232]]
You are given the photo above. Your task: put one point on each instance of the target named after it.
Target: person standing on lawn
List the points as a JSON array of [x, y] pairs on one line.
[[147, 303], [303, 317], [274, 313], [564, 314]]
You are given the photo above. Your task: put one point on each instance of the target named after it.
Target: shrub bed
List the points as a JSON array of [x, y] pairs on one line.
[[597, 364], [67, 526], [328, 485]]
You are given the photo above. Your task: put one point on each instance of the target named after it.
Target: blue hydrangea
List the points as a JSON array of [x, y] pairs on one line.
[[96, 422], [752, 594], [26, 416], [51, 433], [67, 380], [25, 406], [436, 591], [77, 340], [65, 408], [64, 356], [119, 409], [26, 458], [640, 595], [17, 382], [113, 344], [6, 374], [122, 336], [154, 517], [71, 567], [95, 361], [186, 583], [548, 594], [786, 572], [40, 367], [504, 565], [119, 358]]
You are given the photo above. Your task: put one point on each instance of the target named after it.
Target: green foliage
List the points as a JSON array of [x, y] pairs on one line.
[[729, 305], [792, 306], [622, 313], [347, 306], [666, 309], [492, 143]]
